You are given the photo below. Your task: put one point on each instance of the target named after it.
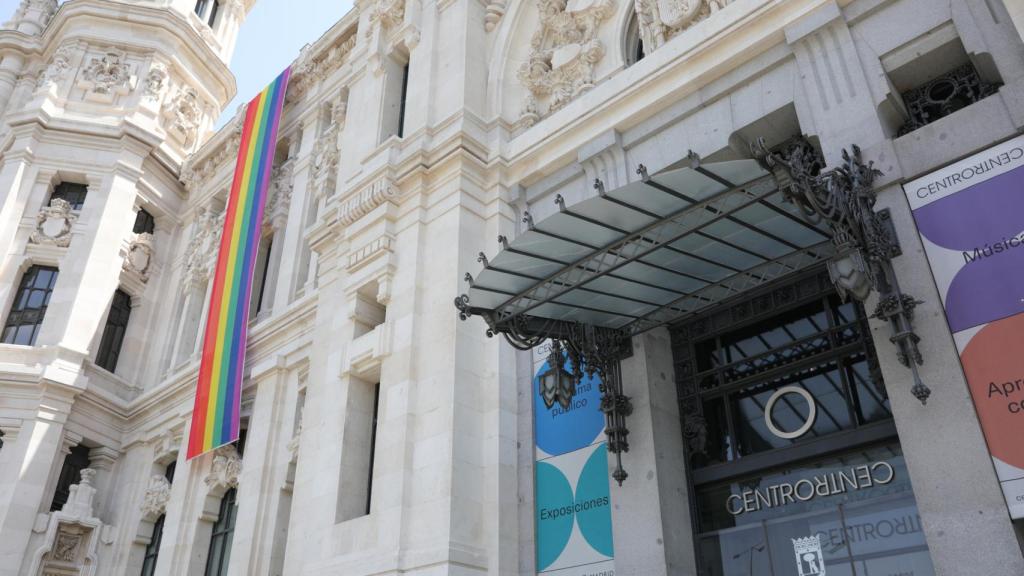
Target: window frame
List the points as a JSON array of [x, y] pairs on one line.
[[78, 193], [218, 557], [75, 461], [20, 314], [114, 330]]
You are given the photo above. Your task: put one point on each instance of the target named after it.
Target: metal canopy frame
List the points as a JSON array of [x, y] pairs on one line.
[[831, 212]]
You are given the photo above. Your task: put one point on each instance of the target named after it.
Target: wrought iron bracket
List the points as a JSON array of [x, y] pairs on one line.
[[865, 239], [591, 351]]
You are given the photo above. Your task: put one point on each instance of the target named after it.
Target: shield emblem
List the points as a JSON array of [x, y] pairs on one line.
[[809, 559]]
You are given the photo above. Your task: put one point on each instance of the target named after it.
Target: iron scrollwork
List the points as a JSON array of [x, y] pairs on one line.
[[843, 199], [590, 350]]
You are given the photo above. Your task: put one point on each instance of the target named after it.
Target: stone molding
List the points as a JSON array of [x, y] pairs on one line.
[[311, 67], [371, 196]]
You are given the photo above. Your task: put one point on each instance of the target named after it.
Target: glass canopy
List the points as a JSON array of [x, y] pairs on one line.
[[651, 252]]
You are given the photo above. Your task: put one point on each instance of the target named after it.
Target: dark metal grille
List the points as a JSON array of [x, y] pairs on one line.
[[938, 98], [220, 540], [73, 194], [113, 333], [29, 306]]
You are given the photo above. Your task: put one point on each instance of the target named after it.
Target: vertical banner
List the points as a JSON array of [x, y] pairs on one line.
[[970, 216], [573, 512], [219, 389]]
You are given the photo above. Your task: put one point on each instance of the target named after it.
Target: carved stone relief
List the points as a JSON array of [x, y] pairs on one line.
[[107, 77], [311, 68], [326, 154], [139, 255], [563, 52], [183, 114], [227, 464], [495, 11], [660, 20], [387, 13], [154, 502], [58, 67], [201, 248], [53, 224], [156, 82], [279, 196]]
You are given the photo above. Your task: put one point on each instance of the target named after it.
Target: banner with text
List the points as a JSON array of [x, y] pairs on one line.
[[970, 216], [573, 505]]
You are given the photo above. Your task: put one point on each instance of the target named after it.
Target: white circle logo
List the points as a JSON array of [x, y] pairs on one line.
[[770, 406]]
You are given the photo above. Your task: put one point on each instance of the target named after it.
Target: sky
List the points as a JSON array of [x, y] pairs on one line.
[[270, 39]]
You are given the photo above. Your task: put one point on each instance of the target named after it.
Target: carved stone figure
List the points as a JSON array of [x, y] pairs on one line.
[[80, 496], [386, 12], [156, 82], [154, 502], [107, 77], [200, 250], [53, 224], [183, 114], [140, 255], [563, 52], [225, 469], [326, 154], [660, 20]]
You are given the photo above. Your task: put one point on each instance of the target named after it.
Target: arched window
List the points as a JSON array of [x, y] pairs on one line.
[[220, 541], [633, 43]]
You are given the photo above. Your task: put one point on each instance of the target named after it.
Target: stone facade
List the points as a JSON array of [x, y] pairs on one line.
[[509, 105]]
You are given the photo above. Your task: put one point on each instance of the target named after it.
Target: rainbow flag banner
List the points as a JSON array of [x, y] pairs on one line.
[[219, 390]]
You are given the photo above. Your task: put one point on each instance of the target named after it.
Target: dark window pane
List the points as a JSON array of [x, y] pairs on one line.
[[200, 7], [220, 538], [718, 446], [213, 13], [29, 306], [870, 400], [70, 474], [113, 332], [153, 548], [169, 471], [144, 223], [791, 410], [73, 194]]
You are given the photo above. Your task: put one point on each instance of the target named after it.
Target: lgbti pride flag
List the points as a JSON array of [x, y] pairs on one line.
[[219, 390]]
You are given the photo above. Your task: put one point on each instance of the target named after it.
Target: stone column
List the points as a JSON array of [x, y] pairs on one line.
[[102, 460], [29, 475], [10, 68], [651, 524], [264, 470]]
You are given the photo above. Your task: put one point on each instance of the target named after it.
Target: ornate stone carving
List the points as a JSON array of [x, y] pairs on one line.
[[154, 502], [58, 67], [310, 68], [201, 247], [156, 82], [80, 496], [293, 444], [357, 206], [563, 52], [53, 224], [139, 255], [660, 20], [32, 16], [326, 154], [225, 469], [279, 196], [495, 10], [182, 114], [65, 547], [387, 13], [107, 77]]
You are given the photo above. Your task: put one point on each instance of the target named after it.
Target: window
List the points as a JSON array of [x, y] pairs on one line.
[[789, 435], [373, 444], [402, 101], [220, 541], [634, 45], [207, 11], [73, 194], [153, 548], [70, 474], [113, 333], [260, 297], [144, 223], [29, 306]]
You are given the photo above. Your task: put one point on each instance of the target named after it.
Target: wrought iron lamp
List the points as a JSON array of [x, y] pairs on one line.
[[557, 385]]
